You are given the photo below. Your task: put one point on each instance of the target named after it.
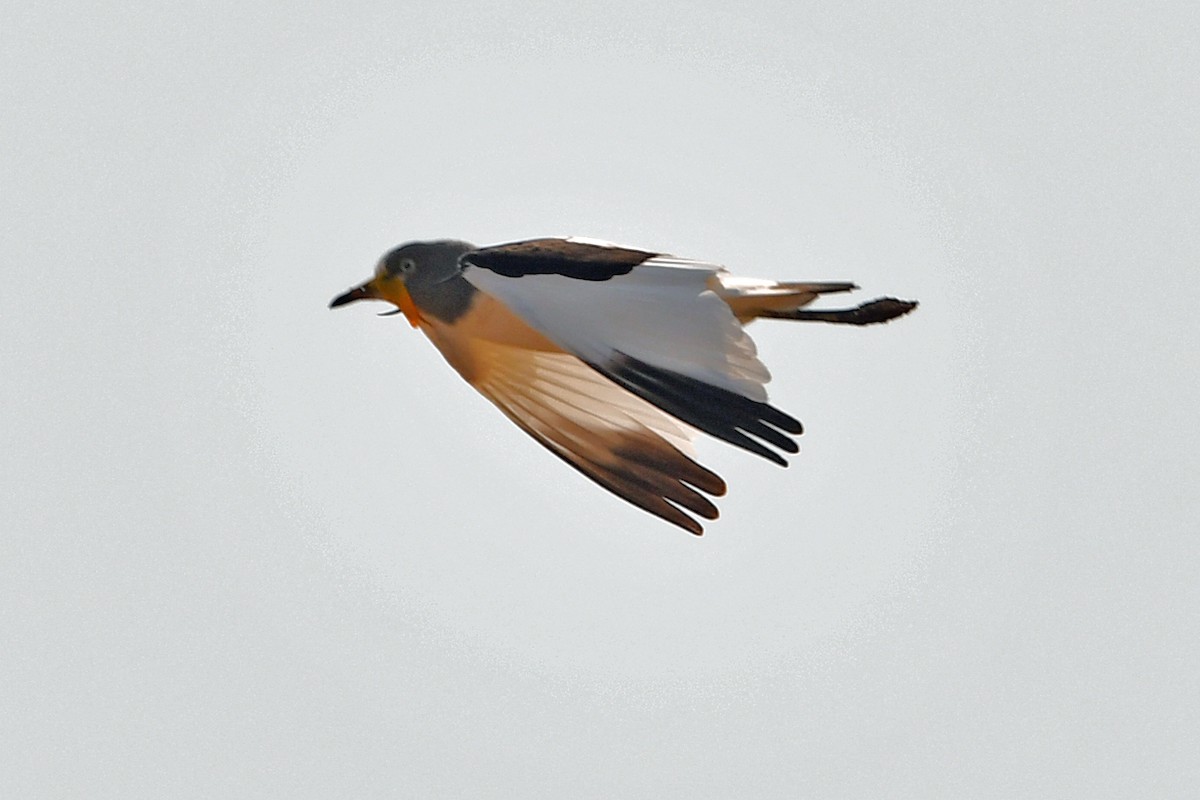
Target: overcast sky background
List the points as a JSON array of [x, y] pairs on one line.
[[254, 548]]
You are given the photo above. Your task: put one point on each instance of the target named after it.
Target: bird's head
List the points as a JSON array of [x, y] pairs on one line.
[[416, 268]]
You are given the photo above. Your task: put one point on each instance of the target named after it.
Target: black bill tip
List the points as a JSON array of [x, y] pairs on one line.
[[357, 293]]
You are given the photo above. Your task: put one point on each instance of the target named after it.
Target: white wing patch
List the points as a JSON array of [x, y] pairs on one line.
[[663, 312]]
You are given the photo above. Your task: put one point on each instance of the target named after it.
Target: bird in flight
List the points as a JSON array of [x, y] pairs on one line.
[[610, 357]]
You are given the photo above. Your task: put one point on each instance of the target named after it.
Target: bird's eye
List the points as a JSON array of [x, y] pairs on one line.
[[407, 265]]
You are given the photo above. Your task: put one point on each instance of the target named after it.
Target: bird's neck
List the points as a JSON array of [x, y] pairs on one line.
[[445, 301]]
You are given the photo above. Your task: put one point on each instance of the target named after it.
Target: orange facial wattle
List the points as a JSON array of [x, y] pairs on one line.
[[408, 306]]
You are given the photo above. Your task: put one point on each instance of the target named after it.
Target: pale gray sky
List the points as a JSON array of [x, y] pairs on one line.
[[254, 548]]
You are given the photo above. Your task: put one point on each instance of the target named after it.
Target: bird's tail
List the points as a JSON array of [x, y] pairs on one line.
[[883, 309], [751, 299]]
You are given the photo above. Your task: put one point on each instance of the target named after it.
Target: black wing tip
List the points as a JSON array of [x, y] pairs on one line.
[[784, 421], [739, 420]]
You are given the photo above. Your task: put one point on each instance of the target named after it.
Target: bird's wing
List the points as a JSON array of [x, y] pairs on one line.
[[618, 440], [651, 323]]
